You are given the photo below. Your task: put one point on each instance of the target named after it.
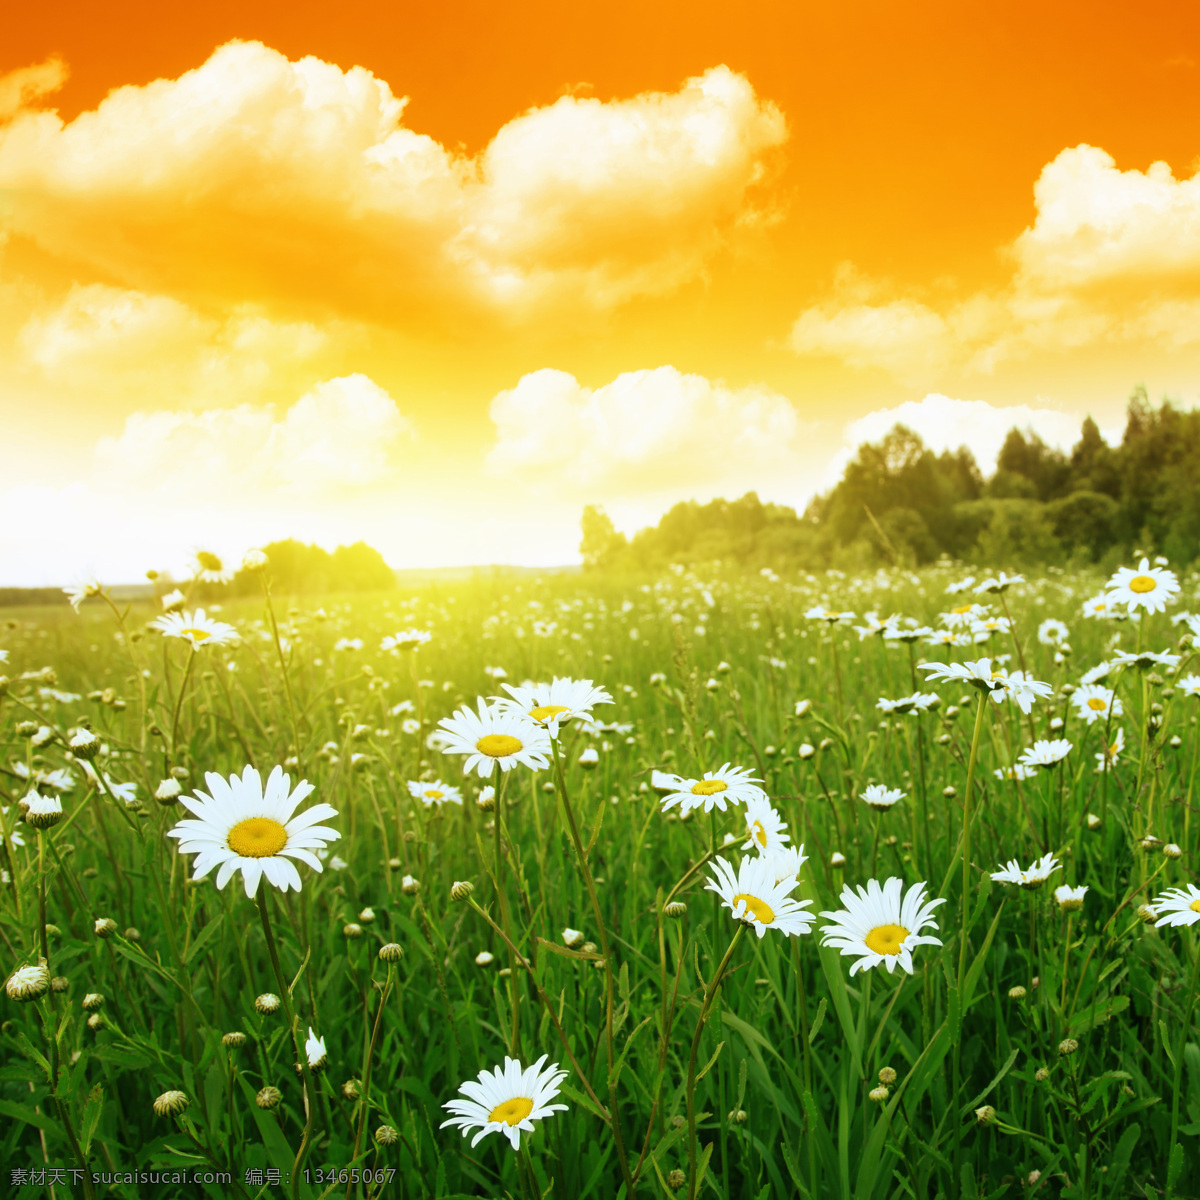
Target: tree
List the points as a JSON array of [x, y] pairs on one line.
[[601, 542]]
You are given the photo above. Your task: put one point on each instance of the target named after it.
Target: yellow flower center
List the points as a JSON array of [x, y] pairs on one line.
[[886, 939], [512, 1112], [498, 745], [1195, 906], [434, 794], [1096, 704], [257, 837], [197, 635], [709, 787], [963, 608], [758, 833], [1143, 583], [545, 711], [756, 908]]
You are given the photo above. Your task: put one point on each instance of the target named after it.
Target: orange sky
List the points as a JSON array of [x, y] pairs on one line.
[[851, 242]]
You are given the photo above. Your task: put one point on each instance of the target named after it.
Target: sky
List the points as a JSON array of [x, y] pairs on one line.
[[437, 279]]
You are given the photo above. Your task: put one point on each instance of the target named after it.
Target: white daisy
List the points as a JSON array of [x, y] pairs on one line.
[[786, 862], [314, 1050], [241, 826], [1022, 689], [948, 637], [829, 615], [77, 593], [963, 616], [1189, 685], [729, 784], [1016, 773], [1045, 753], [1052, 632], [173, 601], [765, 827], [1177, 906], [978, 674], [998, 584], [875, 626], [1037, 874], [494, 736], [406, 639], [507, 1100], [881, 797], [953, 589], [983, 629], [435, 793], [881, 924], [1145, 659], [1145, 587], [1070, 899], [1107, 758], [551, 704], [210, 569], [196, 628], [1097, 674], [1095, 703], [754, 896], [1099, 606], [906, 633]]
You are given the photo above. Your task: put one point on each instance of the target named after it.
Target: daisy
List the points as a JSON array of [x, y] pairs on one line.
[[764, 826], [1052, 632], [1107, 757], [786, 862], [828, 615], [1098, 606], [874, 627], [947, 637], [953, 589], [173, 601], [881, 924], [1177, 906], [196, 628], [1018, 772], [1001, 583], [437, 792], [880, 797], [210, 569], [963, 616], [1145, 659], [729, 784], [495, 737], [752, 894], [1045, 753], [1189, 685], [507, 1100], [1097, 674], [243, 827], [1070, 899], [983, 629], [1033, 878], [77, 593], [406, 639], [1149, 588], [1094, 703], [314, 1050], [906, 633], [551, 704], [1022, 689]]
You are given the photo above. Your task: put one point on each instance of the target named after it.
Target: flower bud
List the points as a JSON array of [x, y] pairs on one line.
[[352, 930], [170, 1104], [92, 1002], [878, 1094], [105, 927], [268, 1098], [675, 910], [1016, 993], [887, 1075], [484, 959], [234, 1039], [351, 1090], [1068, 1046], [367, 915], [43, 812], [410, 886], [461, 889], [739, 1116], [266, 1004], [60, 983], [1093, 822], [167, 793], [391, 953], [589, 759], [386, 1135], [28, 983], [254, 561], [985, 1115], [837, 859], [1171, 850], [1041, 1075], [572, 938], [84, 744], [676, 1179]]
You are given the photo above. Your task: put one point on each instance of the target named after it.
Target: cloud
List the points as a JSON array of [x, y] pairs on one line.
[[252, 175], [24, 87], [344, 434]]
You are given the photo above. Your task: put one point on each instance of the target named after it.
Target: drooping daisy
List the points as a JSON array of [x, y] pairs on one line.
[[1037, 874], [406, 639], [1145, 659], [435, 793], [918, 702], [765, 827], [906, 633], [1177, 906], [880, 797], [1000, 583], [786, 862], [507, 1100], [1022, 689], [1052, 632], [210, 569], [752, 894], [77, 593], [1095, 703], [1070, 899], [241, 826], [196, 628], [494, 736], [551, 704], [881, 924], [727, 785], [1045, 753], [1106, 759], [1146, 587], [1097, 674]]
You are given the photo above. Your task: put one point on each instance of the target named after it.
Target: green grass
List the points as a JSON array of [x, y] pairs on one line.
[[792, 1046]]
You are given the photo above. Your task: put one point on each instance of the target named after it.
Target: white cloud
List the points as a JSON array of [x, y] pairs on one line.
[[346, 433], [252, 174]]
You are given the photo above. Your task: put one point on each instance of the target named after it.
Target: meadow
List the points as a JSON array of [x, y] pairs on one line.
[[1029, 1041]]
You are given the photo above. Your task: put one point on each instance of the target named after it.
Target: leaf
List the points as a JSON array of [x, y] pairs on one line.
[[1175, 1169], [812, 1033], [18, 1112], [206, 935], [708, 1067], [1101, 1011], [1004, 1070]]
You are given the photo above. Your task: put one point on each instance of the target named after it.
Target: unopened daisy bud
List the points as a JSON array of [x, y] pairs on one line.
[[572, 938], [770, 751], [1017, 993], [53, 931], [386, 1135], [878, 1094], [460, 889], [887, 1075], [132, 934], [268, 1098], [676, 1179], [367, 915], [84, 744], [486, 800], [105, 927], [1034, 1176], [1041, 1075], [588, 948], [677, 1122], [806, 751], [28, 983], [1093, 822], [167, 792], [837, 859], [1175, 742], [351, 1090], [484, 959], [171, 1104], [676, 909], [391, 953], [825, 743], [394, 864], [95, 1022], [1146, 914], [410, 885], [26, 729], [504, 972], [43, 812], [314, 1049], [738, 1116], [92, 1002], [1171, 850], [253, 561], [1150, 842], [985, 1115], [233, 1040], [60, 983], [1067, 1046], [589, 759], [266, 1004], [950, 792], [352, 930]]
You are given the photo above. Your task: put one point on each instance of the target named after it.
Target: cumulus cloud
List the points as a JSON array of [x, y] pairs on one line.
[[1112, 256], [345, 433], [260, 173], [21, 88], [647, 433]]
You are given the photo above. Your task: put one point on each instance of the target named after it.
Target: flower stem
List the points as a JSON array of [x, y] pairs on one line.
[[1183, 1038]]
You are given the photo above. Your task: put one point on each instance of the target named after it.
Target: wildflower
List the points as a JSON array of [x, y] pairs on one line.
[[84, 745], [1052, 632], [806, 750], [210, 569], [963, 616], [1070, 1045], [878, 1095], [28, 983], [728, 784], [1106, 759], [43, 812], [1016, 993], [92, 1002], [881, 924], [410, 885], [887, 1076], [241, 826], [460, 889], [1172, 850], [675, 910], [386, 1135], [171, 1104], [195, 628], [495, 737], [1098, 606], [1034, 877], [173, 601], [882, 798], [1045, 753], [484, 959], [314, 1050], [233, 1040], [507, 1100], [104, 927], [266, 1004], [1094, 703], [1177, 906], [572, 938], [589, 758], [953, 589], [986, 1115], [552, 704], [1145, 659], [392, 952], [436, 793], [77, 593], [1001, 583], [1189, 685], [352, 929], [1017, 773], [837, 859], [829, 616], [1070, 899], [765, 826], [752, 894], [168, 792], [1146, 587], [268, 1098], [406, 639], [254, 561]]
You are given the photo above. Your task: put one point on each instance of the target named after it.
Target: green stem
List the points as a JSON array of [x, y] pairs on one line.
[[1183, 1037]]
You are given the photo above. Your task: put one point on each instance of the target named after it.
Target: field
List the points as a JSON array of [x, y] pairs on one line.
[[1041, 1048]]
